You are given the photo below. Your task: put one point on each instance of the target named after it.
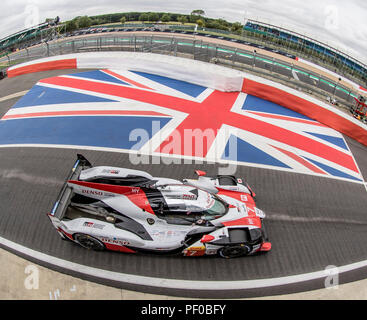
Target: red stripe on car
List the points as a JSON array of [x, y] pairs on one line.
[[253, 221], [135, 194]]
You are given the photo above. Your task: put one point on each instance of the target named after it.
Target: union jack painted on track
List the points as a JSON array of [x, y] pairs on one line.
[[101, 108]]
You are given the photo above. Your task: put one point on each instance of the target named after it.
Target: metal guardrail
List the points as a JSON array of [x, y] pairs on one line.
[[193, 48]]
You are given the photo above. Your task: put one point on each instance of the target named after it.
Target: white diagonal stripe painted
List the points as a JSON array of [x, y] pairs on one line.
[[14, 95]]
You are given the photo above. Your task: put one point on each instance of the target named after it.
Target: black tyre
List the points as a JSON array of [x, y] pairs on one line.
[[88, 242], [234, 251]]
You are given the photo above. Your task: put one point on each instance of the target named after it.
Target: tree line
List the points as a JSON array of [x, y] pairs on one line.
[[196, 17]]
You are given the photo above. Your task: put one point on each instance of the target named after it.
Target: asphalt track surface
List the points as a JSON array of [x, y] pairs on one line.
[[313, 222]]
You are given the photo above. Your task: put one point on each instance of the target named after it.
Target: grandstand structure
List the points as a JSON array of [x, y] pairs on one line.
[[29, 36], [254, 32], [304, 45]]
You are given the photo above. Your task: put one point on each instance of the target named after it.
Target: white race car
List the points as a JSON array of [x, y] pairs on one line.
[[129, 210]]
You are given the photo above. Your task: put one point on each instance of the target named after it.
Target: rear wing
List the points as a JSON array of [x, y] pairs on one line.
[[63, 199]]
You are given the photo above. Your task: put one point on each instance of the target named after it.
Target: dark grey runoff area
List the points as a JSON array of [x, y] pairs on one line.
[[312, 222]]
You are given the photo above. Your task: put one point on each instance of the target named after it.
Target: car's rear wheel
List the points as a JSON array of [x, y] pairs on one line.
[[234, 251], [89, 242]]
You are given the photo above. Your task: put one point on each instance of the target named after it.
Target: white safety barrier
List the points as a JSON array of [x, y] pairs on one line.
[[197, 72]]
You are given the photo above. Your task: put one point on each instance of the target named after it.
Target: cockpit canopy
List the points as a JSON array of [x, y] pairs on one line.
[[182, 199]]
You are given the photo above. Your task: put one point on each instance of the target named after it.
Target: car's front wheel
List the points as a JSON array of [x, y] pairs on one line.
[[89, 242], [234, 251]]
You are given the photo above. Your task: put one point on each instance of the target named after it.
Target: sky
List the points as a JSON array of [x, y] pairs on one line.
[[338, 23]]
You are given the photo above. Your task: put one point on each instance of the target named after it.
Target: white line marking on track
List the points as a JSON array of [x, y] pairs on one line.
[[14, 95], [174, 283], [295, 76]]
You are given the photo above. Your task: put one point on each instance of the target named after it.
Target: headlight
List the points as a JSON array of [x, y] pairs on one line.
[[260, 213]]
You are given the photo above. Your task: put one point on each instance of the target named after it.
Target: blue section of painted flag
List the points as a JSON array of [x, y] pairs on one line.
[[332, 171], [253, 103], [334, 140], [188, 88], [99, 75], [101, 131], [239, 150], [40, 95]]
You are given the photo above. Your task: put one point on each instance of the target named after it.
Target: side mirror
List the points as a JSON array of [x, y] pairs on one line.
[[200, 173]]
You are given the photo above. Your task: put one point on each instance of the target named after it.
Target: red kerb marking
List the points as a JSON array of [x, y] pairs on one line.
[[43, 66]]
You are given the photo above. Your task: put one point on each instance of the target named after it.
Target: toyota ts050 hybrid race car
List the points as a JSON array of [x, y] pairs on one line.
[[129, 210]]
